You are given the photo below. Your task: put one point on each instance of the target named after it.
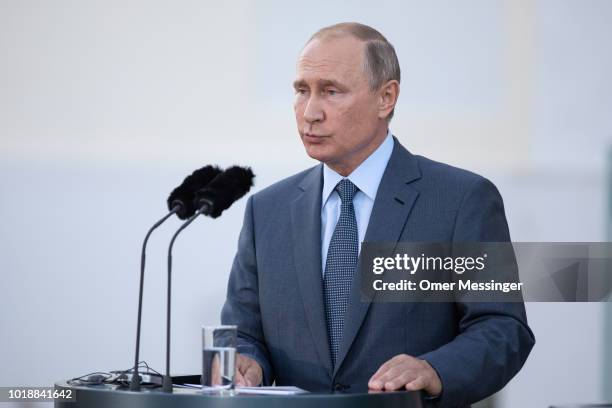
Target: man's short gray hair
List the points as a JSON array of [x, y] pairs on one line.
[[381, 64]]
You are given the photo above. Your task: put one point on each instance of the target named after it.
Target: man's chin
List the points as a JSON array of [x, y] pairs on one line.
[[315, 151], [318, 152]]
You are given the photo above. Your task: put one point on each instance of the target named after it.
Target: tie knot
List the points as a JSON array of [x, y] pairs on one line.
[[346, 190]]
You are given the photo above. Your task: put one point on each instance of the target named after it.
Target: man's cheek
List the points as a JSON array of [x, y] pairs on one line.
[[298, 109]]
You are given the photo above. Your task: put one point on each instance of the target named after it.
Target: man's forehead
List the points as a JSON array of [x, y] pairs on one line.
[[331, 58]]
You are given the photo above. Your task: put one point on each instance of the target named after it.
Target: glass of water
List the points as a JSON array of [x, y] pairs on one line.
[[218, 358]]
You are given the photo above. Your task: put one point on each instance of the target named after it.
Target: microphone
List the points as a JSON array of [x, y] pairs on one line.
[[183, 196], [211, 200], [224, 190], [180, 202]]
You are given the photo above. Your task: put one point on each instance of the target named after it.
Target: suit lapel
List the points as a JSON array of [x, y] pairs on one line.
[[392, 205], [306, 230]]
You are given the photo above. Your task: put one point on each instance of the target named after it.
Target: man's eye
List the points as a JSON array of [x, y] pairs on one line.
[[332, 92], [300, 91]]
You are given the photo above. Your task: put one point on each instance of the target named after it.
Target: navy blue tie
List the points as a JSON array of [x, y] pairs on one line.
[[340, 266]]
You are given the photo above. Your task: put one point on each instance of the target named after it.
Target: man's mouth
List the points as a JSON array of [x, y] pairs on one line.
[[313, 136]]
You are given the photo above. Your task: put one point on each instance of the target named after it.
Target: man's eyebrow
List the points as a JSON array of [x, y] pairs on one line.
[[321, 83], [329, 82], [299, 83]]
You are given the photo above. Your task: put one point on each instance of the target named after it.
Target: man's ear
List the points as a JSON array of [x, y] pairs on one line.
[[387, 97]]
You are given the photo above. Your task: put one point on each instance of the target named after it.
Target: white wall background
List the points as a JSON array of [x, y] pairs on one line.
[[106, 105]]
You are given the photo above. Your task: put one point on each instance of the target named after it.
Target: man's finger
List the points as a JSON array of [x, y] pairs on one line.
[[391, 373], [396, 372], [375, 382], [253, 375], [242, 364], [216, 371], [417, 384], [399, 380], [239, 378]]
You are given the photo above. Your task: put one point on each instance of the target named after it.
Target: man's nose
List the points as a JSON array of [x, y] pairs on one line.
[[313, 111]]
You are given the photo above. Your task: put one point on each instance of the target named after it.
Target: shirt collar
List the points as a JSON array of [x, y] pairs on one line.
[[366, 176]]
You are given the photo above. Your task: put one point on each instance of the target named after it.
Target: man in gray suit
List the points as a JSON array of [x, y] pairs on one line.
[[294, 286]]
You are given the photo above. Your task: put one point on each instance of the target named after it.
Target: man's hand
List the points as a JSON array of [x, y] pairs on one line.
[[248, 372], [404, 371]]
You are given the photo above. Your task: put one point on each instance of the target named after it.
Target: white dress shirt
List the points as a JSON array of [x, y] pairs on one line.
[[367, 179]]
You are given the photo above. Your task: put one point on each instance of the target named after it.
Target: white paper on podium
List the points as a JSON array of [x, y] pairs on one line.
[[256, 390], [271, 390]]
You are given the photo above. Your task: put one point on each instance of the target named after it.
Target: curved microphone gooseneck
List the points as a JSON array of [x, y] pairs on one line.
[[135, 382], [167, 379], [180, 202]]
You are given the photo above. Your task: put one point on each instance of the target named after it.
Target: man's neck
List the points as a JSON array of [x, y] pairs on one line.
[[346, 167]]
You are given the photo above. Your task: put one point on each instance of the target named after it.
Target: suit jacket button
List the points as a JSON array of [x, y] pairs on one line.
[[340, 387]]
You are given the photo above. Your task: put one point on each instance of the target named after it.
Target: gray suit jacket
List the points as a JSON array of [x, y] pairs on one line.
[[275, 293]]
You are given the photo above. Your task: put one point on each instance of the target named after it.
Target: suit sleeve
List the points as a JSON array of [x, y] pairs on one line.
[[241, 306], [494, 339]]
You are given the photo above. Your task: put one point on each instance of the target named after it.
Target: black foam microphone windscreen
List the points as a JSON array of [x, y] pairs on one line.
[[184, 195], [226, 188]]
